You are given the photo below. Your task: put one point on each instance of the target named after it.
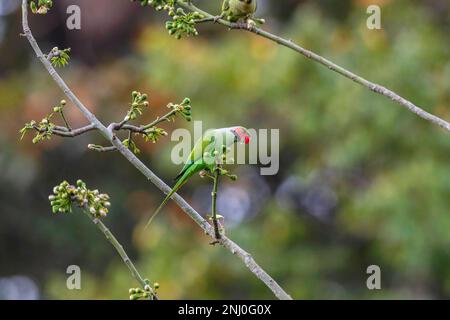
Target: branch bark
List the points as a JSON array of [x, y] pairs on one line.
[[325, 62], [72, 133], [213, 205], [138, 164]]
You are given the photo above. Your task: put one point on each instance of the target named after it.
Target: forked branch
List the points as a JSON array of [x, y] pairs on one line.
[[109, 135], [323, 61]]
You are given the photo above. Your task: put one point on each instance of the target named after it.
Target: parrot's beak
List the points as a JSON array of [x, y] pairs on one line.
[[242, 135]]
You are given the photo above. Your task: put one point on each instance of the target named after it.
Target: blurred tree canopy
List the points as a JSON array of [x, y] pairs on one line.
[[362, 181]]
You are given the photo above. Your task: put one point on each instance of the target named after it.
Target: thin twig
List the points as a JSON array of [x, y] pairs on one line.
[[159, 120], [65, 120], [327, 63], [138, 164], [121, 251], [74, 132], [213, 204]]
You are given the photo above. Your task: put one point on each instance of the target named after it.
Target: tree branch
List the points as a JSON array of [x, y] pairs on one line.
[[159, 120], [213, 205], [64, 132], [138, 164], [120, 250], [327, 63]]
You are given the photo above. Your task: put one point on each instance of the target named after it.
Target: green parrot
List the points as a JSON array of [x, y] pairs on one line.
[[234, 10], [203, 156]]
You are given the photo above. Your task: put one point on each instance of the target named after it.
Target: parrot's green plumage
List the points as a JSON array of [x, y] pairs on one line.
[[234, 10], [202, 157]]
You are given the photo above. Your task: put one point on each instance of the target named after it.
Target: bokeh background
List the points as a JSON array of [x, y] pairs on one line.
[[362, 181]]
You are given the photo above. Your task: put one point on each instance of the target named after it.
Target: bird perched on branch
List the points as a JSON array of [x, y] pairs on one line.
[[206, 154], [236, 10]]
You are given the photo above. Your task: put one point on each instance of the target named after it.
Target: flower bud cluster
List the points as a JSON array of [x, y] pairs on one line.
[[65, 194]]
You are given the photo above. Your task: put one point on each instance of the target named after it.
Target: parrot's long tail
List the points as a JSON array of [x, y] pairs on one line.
[[175, 188]]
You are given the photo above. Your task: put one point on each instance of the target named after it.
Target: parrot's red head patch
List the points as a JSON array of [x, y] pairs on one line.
[[242, 135]]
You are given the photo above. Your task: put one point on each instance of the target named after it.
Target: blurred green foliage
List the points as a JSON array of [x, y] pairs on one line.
[[386, 168]]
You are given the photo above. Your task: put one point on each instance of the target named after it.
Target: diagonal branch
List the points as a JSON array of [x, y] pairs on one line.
[[138, 164], [327, 63], [119, 248]]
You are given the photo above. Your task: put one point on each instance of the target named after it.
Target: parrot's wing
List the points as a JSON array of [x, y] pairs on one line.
[[202, 145], [191, 170]]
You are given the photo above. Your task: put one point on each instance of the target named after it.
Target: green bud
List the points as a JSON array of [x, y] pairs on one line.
[[134, 297], [156, 285]]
